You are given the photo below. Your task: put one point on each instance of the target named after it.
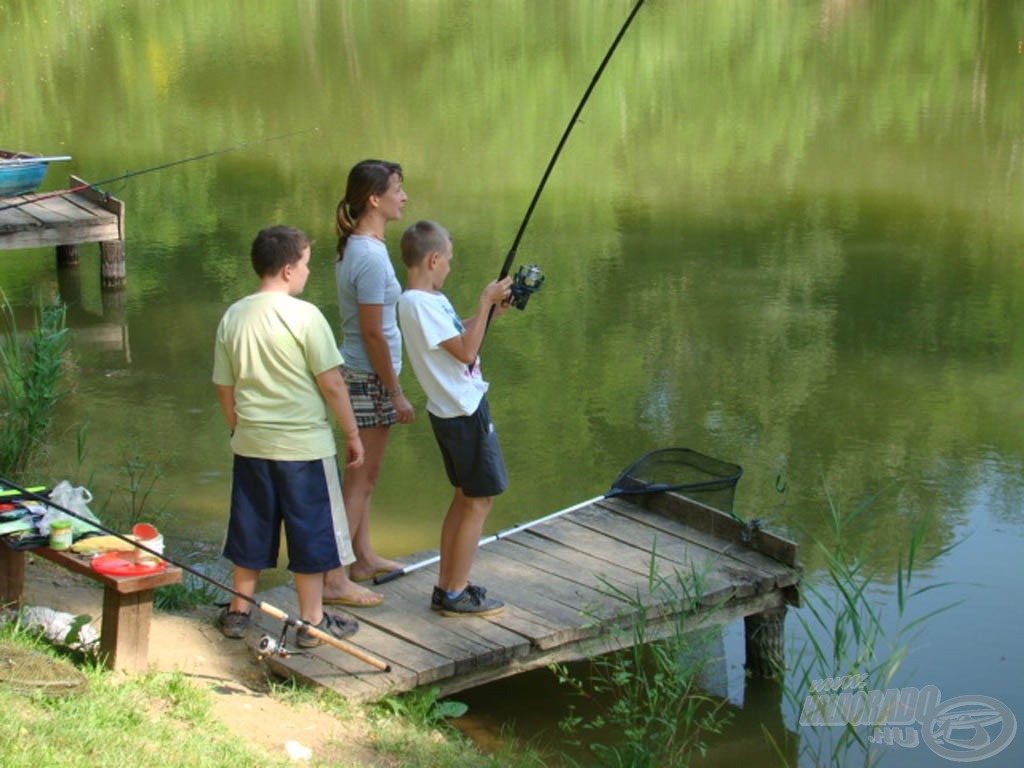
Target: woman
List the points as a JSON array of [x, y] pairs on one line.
[[368, 292]]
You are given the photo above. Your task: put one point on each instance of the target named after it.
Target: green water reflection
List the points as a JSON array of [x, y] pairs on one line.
[[786, 235]]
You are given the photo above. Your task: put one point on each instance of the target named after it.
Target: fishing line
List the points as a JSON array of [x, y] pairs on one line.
[[162, 166], [565, 137], [529, 278], [267, 608]]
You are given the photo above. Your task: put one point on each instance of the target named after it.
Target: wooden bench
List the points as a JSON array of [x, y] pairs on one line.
[[127, 602]]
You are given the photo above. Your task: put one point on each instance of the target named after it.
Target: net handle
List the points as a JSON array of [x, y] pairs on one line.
[[615, 490]]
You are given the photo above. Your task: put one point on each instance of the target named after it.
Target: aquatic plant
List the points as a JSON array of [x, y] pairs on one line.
[[846, 641], [647, 706], [30, 387]]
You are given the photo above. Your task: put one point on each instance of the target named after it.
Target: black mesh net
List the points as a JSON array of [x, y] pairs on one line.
[[699, 477]]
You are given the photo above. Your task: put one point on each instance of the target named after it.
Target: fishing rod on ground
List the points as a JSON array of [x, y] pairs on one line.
[[529, 278], [162, 166], [267, 645], [657, 471]]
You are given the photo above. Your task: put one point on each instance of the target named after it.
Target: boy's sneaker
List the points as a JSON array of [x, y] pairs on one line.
[[336, 626], [437, 596], [472, 602], [233, 624]]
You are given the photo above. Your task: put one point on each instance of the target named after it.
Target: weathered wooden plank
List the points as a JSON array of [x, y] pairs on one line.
[[669, 580], [48, 220], [15, 219], [406, 613], [721, 525], [715, 586], [598, 581], [526, 593], [102, 199], [691, 557], [615, 640], [409, 662], [782, 574]]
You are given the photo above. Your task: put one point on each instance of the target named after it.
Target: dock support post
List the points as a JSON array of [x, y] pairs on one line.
[[67, 256], [112, 268], [765, 643]]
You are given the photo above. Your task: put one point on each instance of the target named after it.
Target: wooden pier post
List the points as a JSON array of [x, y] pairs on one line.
[[112, 268], [67, 255], [112, 256], [765, 643]]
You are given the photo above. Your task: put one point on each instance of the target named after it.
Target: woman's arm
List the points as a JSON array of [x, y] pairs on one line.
[[371, 328]]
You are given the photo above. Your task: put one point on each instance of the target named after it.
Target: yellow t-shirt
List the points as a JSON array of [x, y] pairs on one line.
[[269, 347]]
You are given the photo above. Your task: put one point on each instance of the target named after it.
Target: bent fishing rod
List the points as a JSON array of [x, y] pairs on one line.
[[529, 278], [162, 166], [266, 645]]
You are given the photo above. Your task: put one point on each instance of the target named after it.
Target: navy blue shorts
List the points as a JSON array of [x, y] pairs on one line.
[[472, 456], [303, 495]]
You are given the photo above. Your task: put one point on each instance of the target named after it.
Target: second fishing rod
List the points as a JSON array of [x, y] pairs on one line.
[[162, 166], [267, 645]]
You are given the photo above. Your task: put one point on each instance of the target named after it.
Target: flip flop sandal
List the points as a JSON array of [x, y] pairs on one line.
[[372, 599]]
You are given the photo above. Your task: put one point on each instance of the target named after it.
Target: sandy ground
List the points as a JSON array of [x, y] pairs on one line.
[[192, 645]]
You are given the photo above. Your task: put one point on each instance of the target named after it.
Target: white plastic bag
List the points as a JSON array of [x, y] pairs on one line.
[[74, 499], [61, 628]]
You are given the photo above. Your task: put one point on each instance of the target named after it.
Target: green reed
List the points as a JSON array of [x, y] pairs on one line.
[[30, 388], [845, 638], [644, 702]]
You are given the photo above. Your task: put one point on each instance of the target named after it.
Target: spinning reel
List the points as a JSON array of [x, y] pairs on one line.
[[268, 646], [526, 281]]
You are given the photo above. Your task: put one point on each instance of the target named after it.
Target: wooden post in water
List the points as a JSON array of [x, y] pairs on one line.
[[765, 643], [112, 256], [67, 255], [112, 267]]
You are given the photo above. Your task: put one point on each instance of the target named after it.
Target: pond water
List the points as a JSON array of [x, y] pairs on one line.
[[784, 235]]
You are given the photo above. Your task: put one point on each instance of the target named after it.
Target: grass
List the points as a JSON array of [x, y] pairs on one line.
[[156, 719], [166, 719]]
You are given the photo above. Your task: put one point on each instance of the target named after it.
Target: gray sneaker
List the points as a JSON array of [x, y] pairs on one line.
[[336, 626], [472, 602], [233, 624], [437, 596]]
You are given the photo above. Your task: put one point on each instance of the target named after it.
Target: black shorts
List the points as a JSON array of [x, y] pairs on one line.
[[303, 495], [472, 456]]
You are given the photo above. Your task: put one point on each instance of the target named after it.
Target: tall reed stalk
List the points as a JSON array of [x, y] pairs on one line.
[[30, 388], [847, 642], [646, 706]]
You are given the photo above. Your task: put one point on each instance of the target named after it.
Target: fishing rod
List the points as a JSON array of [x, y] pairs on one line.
[[162, 166], [267, 645], [529, 279]]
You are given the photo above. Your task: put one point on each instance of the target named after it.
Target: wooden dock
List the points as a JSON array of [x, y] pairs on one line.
[[65, 219], [567, 584]]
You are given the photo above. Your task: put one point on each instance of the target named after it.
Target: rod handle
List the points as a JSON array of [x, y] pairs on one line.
[[389, 576]]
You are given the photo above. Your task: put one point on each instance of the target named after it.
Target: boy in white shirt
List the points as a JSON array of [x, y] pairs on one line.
[[442, 350]]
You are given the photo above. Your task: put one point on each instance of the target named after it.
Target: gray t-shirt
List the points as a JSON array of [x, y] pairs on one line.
[[366, 276]]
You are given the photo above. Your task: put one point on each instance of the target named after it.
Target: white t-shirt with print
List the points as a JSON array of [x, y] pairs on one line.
[[452, 387]]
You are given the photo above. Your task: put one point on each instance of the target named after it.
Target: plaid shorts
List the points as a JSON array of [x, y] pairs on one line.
[[370, 403]]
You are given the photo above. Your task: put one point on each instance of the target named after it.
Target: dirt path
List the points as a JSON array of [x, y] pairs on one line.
[[193, 645]]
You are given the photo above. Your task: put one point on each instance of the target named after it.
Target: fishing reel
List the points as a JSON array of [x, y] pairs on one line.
[[268, 646], [526, 281]]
